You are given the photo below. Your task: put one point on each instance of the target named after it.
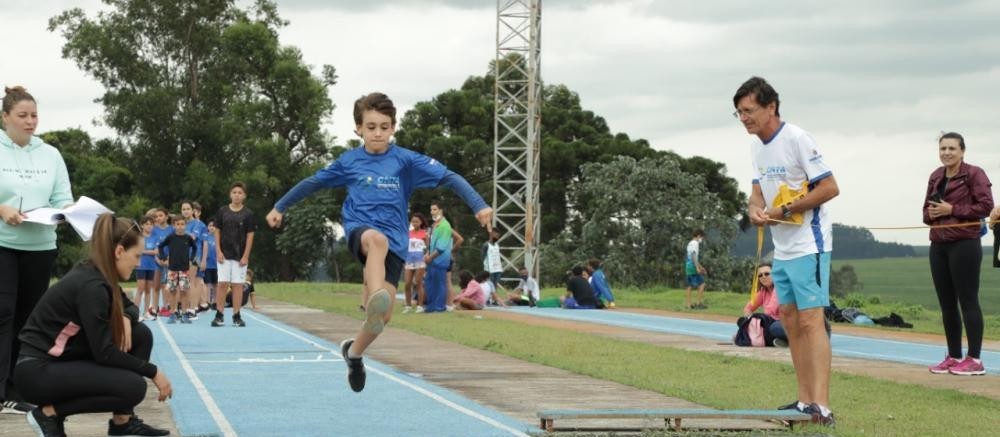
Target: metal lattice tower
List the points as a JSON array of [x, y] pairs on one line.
[[516, 133]]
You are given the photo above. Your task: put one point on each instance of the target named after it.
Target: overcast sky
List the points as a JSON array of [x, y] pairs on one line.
[[875, 83]]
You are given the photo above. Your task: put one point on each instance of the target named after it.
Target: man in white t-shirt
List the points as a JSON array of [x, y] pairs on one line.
[[786, 158]]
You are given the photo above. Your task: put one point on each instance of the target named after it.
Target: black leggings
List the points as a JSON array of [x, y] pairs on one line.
[[24, 277], [955, 268], [77, 387]]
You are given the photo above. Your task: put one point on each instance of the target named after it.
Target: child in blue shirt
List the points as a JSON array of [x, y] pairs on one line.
[[208, 267], [145, 273], [380, 177]]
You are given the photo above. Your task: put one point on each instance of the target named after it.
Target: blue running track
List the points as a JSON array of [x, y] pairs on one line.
[[843, 345], [269, 379]]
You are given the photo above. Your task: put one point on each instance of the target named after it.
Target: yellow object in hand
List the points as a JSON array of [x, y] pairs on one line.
[[786, 196]]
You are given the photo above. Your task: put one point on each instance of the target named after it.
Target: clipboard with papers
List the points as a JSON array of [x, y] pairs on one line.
[[81, 216]]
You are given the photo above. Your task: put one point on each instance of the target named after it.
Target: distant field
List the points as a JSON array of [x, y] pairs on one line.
[[909, 280]]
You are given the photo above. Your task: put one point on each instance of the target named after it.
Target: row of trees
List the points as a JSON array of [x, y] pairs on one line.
[[203, 93], [850, 242]]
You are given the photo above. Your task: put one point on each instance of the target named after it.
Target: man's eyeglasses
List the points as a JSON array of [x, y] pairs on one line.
[[740, 113], [763, 274]]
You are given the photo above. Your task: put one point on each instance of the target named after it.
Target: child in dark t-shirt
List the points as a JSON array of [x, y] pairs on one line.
[[178, 249]]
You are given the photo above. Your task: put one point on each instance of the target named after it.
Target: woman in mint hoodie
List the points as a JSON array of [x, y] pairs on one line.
[[32, 175]]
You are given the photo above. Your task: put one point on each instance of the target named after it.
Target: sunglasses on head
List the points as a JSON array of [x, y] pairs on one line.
[[135, 225], [763, 274]]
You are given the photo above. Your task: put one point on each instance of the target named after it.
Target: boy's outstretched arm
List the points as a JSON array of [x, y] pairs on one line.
[[329, 177], [461, 187]]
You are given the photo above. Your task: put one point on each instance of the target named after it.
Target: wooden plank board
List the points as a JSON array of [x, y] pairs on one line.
[[789, 417]]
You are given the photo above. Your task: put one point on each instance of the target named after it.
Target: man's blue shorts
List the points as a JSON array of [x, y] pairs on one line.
[[803, 281], [695, 280]]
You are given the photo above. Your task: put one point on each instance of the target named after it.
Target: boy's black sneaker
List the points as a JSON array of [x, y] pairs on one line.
[[134, 427], [238, 321], [355, 367], [203, 308], [219, 319], [46, 426]]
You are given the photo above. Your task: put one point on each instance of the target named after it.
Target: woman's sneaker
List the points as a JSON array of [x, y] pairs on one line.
[[134, 427], [968, 367], [15, 407], [46, 426], [944, 366]]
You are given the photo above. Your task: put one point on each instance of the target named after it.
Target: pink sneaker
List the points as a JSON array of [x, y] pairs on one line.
[[968, 367], [943, 366]]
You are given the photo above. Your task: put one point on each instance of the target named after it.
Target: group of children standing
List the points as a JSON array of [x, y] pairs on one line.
[[196, 262]]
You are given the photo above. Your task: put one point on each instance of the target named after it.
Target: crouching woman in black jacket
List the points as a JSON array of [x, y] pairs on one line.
[[82, 350]]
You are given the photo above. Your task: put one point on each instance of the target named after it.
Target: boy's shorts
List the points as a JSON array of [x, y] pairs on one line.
[[231, 271], [803, 281], [178, 281], [144, 275], [695, 280], [211, 276], [393, 263]]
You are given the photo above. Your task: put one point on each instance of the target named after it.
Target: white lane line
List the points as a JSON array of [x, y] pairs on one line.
[[263, 361], [199, 387], [440, 399]]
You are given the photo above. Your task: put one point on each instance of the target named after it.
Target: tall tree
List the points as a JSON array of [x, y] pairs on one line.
[[201, 94], [638, 216]]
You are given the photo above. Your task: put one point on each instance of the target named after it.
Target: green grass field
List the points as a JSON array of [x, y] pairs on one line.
[[865, 406], [908, 280]]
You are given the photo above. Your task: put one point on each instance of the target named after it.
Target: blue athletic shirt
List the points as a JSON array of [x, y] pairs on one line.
[[211, 262], [158, 234], [148, 262], [379, 188], [197, 229]]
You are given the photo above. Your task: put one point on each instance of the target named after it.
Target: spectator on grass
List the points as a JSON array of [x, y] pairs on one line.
[[526, 292], [957, 192], [767, 299], [472, 296], [579, 294], [595, 268]]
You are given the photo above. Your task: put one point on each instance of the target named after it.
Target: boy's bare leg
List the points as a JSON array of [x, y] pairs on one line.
[[154, 292], [220, 296], [237, 298], [378, 305]]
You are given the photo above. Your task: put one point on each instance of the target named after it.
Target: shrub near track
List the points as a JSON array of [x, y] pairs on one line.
[[864, 406]]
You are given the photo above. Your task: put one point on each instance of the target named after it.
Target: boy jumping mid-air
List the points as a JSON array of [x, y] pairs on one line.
[[380, 177]]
